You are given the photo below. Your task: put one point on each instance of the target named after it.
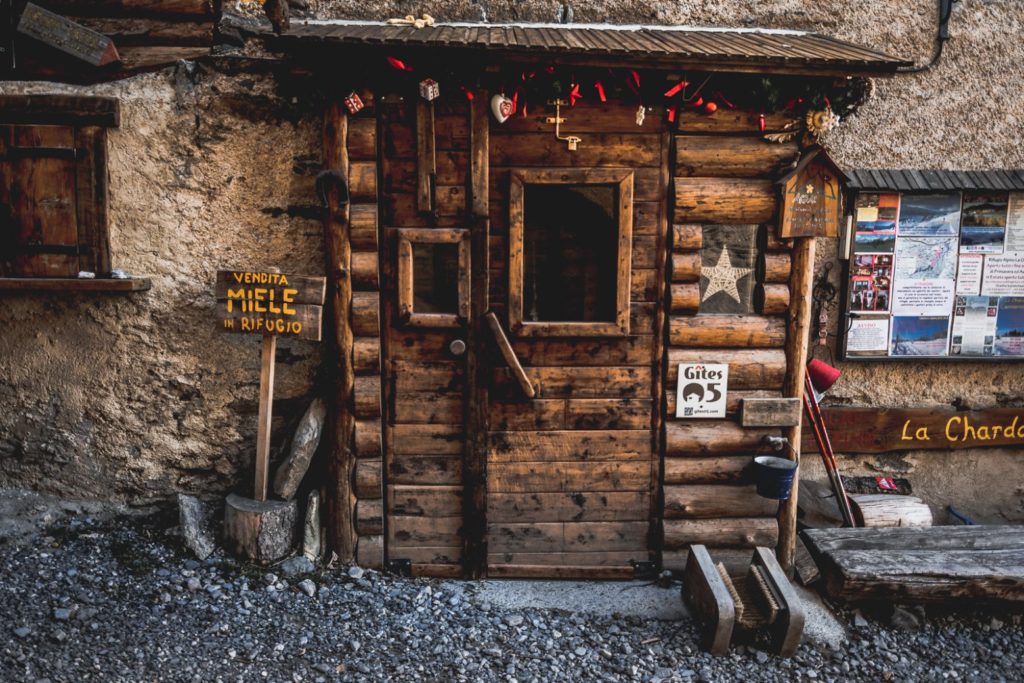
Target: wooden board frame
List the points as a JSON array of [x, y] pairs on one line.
[[519, 178], [406, 310]]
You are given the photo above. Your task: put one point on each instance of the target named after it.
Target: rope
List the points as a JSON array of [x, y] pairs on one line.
[[410, 20]]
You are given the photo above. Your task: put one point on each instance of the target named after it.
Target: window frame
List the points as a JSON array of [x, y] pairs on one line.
[[407, 314], [519, 179], [87, 118]]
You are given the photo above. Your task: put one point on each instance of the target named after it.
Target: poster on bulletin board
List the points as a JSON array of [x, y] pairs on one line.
[[936, 275]]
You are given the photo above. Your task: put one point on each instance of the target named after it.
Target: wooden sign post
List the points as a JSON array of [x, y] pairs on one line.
[[271, 304]]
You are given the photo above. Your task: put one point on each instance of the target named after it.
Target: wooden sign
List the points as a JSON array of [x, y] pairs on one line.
[[271, 303], [878, 430], [67, 36], [810, 202], [770, 412], [702, 389]]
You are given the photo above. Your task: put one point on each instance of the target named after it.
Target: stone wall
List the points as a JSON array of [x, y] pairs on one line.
[[196, 166], [137, 396]]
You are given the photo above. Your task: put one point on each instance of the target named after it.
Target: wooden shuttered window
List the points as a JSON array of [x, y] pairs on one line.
[[53, 186]]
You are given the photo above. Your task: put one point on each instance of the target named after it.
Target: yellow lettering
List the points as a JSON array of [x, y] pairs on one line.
[[904, 436], [922, 434], [246, 324], [996, 430], [969, 431], [235, 294], [237, 276], [983, 433], [257, 295], [949, 424], [288, 296], [229, 324], [1011, 429]]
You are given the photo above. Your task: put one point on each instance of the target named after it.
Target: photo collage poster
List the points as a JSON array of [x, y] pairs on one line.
[[937, 275]]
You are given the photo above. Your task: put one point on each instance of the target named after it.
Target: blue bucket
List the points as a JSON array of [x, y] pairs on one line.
[[774, 476]]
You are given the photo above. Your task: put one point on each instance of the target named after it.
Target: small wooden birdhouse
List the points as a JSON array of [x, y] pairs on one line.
[[810, 197]]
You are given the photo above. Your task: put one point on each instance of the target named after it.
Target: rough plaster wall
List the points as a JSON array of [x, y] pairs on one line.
[[174, 407], [136, 396]]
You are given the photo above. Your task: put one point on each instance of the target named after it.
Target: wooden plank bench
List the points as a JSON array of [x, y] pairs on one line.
[[930, 564]]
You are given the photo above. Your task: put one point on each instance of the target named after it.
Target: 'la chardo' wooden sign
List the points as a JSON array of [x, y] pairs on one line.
[[270, 303]]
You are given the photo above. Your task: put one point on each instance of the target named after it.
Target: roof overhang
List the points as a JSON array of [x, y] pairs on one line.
[[675, 47]]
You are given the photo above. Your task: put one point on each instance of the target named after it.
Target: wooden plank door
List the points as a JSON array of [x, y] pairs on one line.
[[571, 472], [425, 271]]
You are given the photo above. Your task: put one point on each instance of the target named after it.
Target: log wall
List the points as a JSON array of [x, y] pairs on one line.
[[148, 34], [365, 321], [723, 174]]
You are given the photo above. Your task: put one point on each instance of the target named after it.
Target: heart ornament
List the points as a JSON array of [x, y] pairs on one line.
[[501, 107]]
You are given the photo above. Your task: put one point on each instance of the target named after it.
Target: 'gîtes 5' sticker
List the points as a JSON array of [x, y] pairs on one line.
[[701, 390]]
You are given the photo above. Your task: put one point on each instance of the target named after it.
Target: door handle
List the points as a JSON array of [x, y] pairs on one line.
[[509, 354]]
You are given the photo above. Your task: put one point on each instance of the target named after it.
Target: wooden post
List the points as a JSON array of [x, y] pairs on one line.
[[801, 284], [338, 251], [265, 416], [474, 470]]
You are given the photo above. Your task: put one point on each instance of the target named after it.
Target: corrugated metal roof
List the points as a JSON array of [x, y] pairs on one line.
[[795, 50], [910, 180]]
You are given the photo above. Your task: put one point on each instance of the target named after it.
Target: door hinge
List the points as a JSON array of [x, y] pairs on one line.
[[400, 567]]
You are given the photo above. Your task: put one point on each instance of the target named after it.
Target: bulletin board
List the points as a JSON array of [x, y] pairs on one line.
[[935, 275]]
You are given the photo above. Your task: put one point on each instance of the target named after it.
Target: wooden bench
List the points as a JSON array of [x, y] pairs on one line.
[[930, 564]]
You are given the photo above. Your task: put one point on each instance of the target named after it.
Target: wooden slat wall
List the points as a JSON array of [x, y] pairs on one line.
[[724, 172], [569, 486], [363, 234], [425, 386], [148, 34]]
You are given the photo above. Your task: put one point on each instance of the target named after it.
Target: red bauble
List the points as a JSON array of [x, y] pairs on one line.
[[710, 108]]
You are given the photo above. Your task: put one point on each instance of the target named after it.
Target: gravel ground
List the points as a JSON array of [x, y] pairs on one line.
[[115, 598]]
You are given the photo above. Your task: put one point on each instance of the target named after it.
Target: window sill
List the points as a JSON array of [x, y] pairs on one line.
[[47, 284]]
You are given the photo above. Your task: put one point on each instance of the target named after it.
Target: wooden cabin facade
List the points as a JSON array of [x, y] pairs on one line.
[[520, 302]]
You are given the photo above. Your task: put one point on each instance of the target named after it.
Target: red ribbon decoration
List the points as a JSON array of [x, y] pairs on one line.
[[676, 88], [634, 82], [467, 92], [761, 125], [671, 114], [718, 95], [599, 87], [574, 94], [515, 102], [398, 64]]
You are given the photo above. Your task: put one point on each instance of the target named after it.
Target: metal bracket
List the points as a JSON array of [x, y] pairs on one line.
[[400, 567], [571, 140], [644, 570]]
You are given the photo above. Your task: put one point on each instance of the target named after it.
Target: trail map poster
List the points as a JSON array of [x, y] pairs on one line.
[[937, 275]]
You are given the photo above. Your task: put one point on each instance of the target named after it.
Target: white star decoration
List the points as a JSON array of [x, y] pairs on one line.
[[723, 277]]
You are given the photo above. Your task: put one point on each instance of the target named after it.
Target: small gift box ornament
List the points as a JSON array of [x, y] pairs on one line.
[[354, 103], [429, 89]]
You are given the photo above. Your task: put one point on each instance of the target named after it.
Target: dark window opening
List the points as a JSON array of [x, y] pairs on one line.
[[435, 277], [570, 253]]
